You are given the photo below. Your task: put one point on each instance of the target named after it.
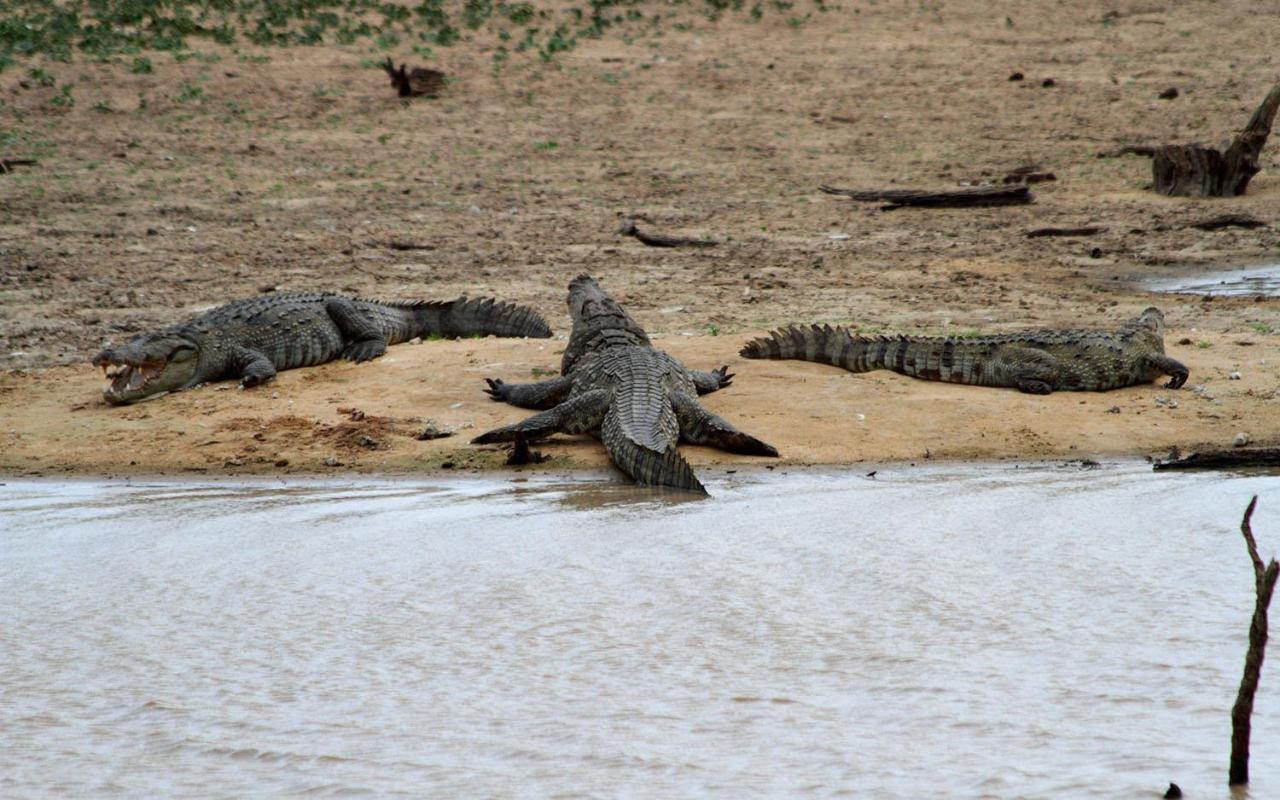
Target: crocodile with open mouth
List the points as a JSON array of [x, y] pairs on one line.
[[254, 338]]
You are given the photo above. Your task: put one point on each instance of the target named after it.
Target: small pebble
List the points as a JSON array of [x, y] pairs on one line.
[[1113, 410], [1241, 439], [1169, 94], [330, 461], [1235, 376], [1017, 76]]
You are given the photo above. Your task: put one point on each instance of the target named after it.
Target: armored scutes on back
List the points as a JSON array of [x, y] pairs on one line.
[[1037, 361], [254, 338], [640, 401]]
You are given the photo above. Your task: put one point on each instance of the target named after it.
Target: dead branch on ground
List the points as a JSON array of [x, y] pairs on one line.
[[965, 197], [628, 228]]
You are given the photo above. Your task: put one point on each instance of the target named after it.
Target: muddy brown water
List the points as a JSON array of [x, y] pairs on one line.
[[964, 631]]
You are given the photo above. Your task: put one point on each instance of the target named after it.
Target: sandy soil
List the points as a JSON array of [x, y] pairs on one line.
[[300, 172]]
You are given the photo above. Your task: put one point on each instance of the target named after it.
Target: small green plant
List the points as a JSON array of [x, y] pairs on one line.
[[141, 66], [540, 372], [713, 329], [549, 144], [1203, 345], [383, 138], [63, 98], [188, 92], [1261, 327], [42, 77]]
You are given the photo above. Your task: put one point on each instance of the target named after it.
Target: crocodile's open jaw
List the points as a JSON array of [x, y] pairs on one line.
[[149, 366], [130, 379]]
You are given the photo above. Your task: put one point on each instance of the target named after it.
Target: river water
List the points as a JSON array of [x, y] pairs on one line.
[[967, 631], [1262, 281]]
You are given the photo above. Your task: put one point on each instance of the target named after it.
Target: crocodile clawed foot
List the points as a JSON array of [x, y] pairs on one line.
[[725, 376], [497, 390], [1177, 380]]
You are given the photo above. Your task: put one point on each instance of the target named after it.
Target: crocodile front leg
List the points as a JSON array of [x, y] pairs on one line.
[[581, 414], [700, 426], [1176, 370], [708, 382], [543, 394], [255, 368], [363, 339]]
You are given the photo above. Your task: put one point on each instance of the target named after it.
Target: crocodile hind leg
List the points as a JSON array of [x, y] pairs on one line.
[[1163, 365], [580, 414], [708, 382], [1030, 370], [363, 339], [700, 426], [543, 394]]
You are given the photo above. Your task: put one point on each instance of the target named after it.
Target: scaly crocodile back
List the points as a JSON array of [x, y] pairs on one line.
[[463, 317], [598, 323]]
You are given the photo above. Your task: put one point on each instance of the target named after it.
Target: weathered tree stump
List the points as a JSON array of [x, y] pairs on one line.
[[965, 197], [1196, 170], [1264, 582], [417, 82]]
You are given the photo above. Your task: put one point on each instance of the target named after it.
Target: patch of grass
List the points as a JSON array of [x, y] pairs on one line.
[[63, 98], [540, 372], [42, 77], [1261, 327], [1203, 345], [188, 92], [546, 146], [141, 66], [105, 30]]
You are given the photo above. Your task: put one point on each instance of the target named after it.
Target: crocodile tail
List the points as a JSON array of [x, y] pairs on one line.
[[646, 465], [821, 343], [482, 316]]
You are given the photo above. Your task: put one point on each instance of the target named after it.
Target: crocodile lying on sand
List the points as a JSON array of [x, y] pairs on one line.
[[640, 401], [1037, 361], [254, 338]]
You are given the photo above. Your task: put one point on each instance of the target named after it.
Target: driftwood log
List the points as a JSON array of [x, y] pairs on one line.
[[1195, 170], [1225, 459], [1227, 221], [1264, 582], [1039, 232], [628, 228], [965, 197], [7, 164], [1130, 149], [417, 82]]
